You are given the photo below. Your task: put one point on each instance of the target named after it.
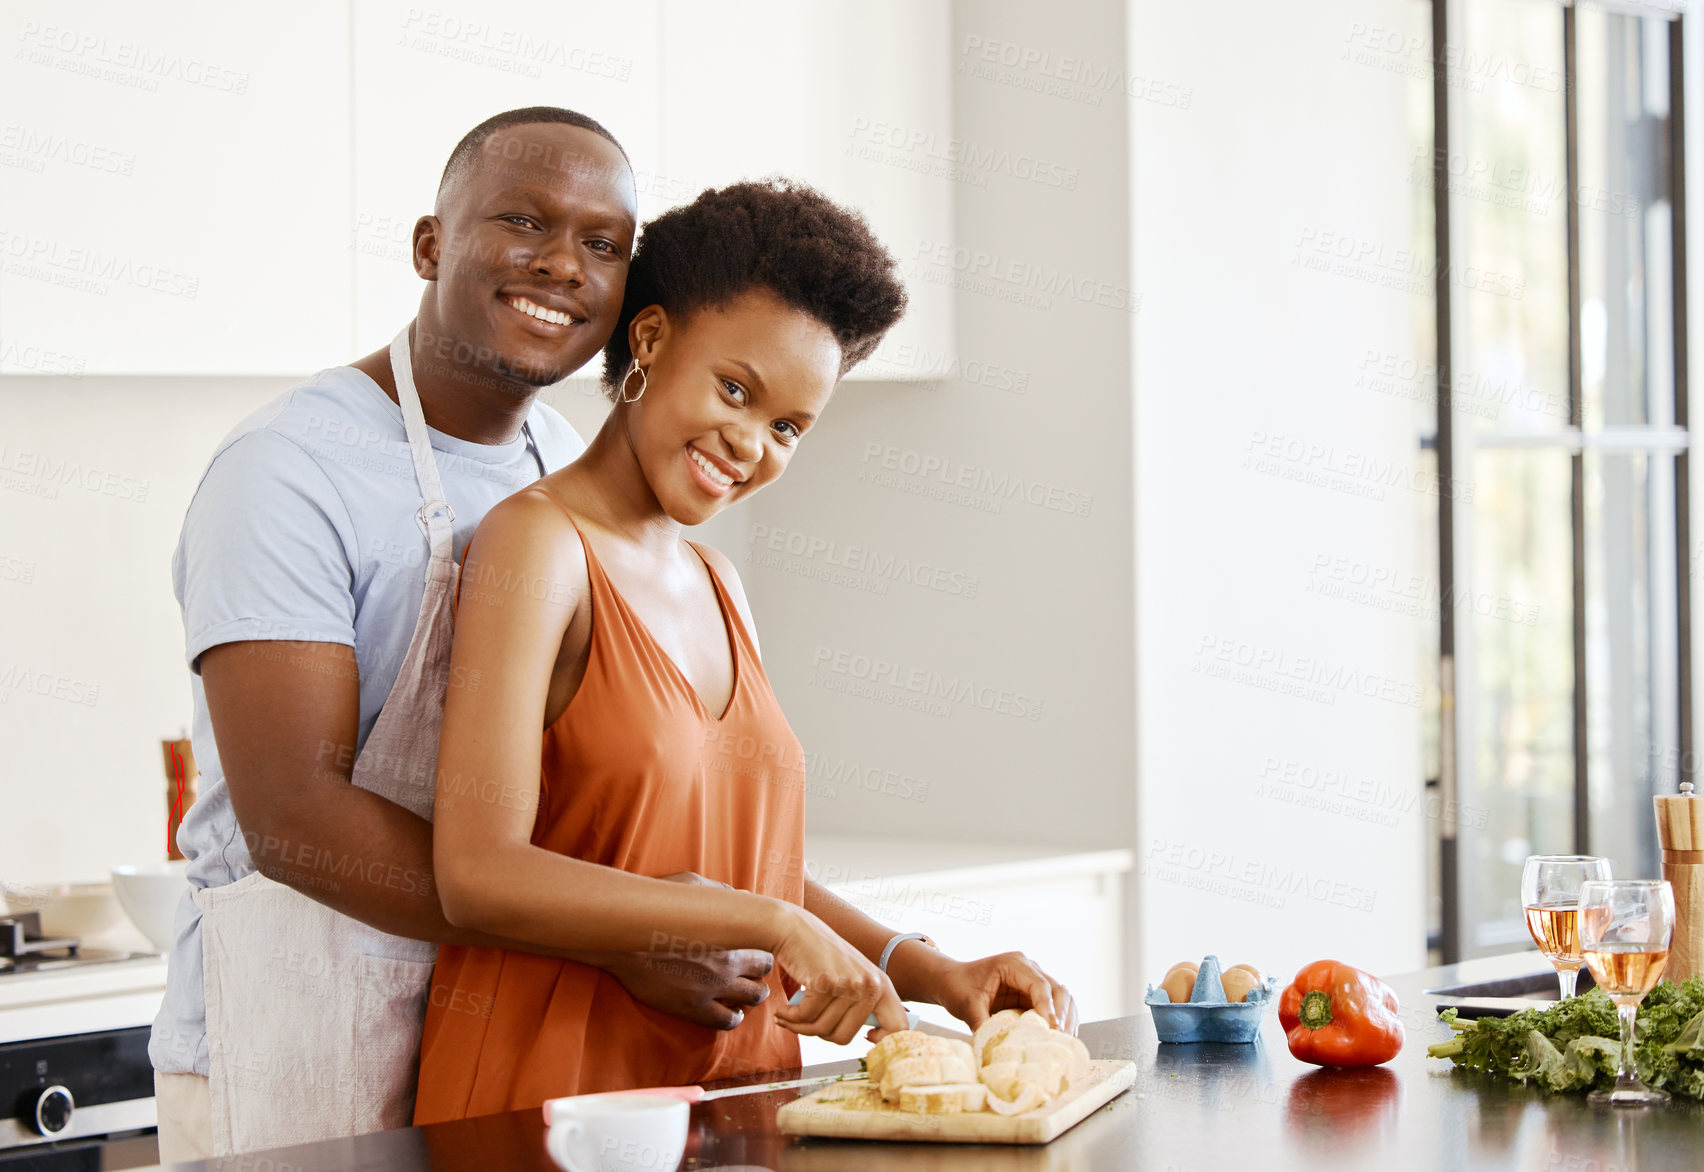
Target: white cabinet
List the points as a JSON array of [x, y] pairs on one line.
[[1064, 910], [852, 96], [208, 188], [174, 187]]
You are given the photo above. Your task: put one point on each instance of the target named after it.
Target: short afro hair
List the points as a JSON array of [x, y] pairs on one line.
[[774, 234], [476, 138]]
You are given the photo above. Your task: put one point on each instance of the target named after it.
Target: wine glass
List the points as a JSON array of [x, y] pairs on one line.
[[1550, 893], [1625, 928]]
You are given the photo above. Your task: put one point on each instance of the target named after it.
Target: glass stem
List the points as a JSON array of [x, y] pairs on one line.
[[1566, 978], [1628, 1015]]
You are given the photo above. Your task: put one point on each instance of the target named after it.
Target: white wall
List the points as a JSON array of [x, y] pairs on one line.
[[95, 475], [1030, 607], [1259, 465]]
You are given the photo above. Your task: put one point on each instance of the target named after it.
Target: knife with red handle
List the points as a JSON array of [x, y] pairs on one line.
[[700, 1095]]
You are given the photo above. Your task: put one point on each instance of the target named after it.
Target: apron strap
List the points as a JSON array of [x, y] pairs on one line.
[[435, 514], [538, 455]]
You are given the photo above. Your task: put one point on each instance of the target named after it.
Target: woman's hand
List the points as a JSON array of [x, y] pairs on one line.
[[973, 991], [842, 988]]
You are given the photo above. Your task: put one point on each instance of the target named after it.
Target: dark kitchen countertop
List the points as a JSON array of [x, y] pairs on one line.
[[1197, 1108]]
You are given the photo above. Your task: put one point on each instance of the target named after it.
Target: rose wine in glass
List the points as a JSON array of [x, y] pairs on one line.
[[1550, 892], [1625, 929]]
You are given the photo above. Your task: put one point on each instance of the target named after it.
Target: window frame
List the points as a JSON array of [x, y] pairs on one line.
[[1656, 440]]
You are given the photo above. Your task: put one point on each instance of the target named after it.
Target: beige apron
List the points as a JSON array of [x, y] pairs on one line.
[[314, 1018]]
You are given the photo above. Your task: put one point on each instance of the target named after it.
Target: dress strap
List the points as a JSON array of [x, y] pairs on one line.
[[726, 601], [545, 492], [593, 569]]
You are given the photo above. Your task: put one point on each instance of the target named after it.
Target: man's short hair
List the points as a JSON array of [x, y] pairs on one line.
[[474, 139]]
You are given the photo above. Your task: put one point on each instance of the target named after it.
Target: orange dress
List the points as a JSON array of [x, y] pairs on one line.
[[636, 774]]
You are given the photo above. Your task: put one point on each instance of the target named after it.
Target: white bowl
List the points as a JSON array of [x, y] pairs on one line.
[[83, 910], [149, 894]]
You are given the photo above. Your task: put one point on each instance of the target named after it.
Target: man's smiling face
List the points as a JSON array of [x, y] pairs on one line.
[[528, 251]]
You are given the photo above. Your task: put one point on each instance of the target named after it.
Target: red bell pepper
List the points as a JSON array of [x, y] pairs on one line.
[[1335, 1015]]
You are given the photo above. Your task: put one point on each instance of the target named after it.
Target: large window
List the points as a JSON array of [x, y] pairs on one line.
[[1559, 429]]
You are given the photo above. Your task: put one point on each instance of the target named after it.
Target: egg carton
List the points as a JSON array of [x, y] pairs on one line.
[[1207, 1016]]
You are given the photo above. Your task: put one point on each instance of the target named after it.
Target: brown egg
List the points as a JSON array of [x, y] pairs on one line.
[[1180, 980], [1239, 982]]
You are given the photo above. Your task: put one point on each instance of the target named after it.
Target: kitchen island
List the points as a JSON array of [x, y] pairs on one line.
[[1198, 1108]]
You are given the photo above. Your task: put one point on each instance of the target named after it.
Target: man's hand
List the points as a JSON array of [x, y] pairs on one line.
[[708, 988], [712, 989]]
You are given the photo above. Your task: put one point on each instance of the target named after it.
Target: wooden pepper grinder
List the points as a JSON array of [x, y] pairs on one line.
[[181, 777], [1680, 830]]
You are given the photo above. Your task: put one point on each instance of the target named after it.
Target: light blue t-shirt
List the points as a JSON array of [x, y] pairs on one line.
[[303, 527]]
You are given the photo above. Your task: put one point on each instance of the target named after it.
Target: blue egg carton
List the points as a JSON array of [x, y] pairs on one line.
[[1207, 1016]]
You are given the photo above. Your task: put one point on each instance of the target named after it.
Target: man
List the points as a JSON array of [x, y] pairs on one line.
[[316, 572]]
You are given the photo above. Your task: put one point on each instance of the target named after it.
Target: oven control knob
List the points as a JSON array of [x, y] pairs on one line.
[[53, 1111]]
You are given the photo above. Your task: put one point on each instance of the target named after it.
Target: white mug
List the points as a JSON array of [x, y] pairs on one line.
[[618, 1132]]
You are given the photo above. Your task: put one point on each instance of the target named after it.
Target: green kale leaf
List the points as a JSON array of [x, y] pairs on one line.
[[1575, 1044]]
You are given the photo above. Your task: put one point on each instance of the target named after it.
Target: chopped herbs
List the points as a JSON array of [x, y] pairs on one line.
[[1575, 1045]]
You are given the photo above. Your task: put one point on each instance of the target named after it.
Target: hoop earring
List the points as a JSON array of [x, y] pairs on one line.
[[642, 384]]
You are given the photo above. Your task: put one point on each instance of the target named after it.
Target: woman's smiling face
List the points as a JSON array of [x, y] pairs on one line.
[[730, 391]]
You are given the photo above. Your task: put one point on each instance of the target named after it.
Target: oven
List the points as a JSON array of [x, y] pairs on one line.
[[76, 1086], [83, 1103]]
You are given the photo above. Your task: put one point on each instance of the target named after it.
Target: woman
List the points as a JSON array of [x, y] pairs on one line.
[[593, 638]]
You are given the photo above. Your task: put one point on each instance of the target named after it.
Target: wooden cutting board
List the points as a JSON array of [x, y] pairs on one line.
[[828, 1112]]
